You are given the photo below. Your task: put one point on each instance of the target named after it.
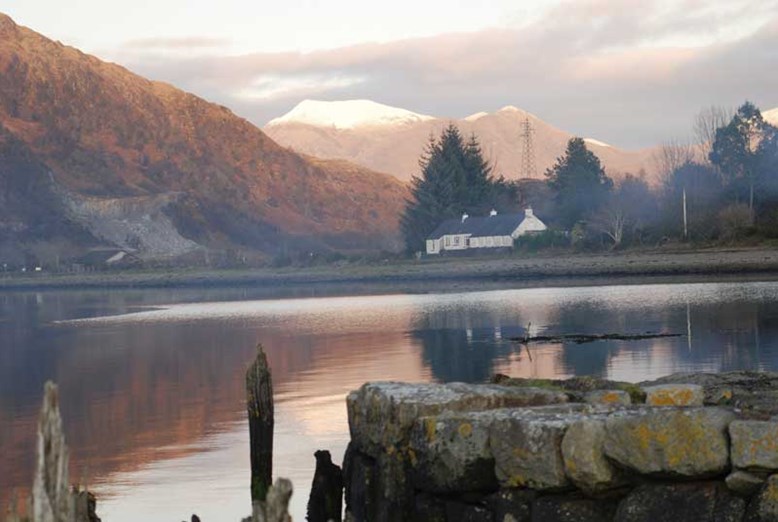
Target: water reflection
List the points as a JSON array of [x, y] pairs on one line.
[[152, 389]]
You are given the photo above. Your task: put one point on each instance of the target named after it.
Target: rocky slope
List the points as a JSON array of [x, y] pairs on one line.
[[96, 131], [395, 140]]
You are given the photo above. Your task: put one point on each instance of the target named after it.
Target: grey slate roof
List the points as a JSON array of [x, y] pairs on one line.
[[499, 225]]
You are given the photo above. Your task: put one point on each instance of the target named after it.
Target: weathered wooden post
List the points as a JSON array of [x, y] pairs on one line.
[[259, 403], [51, 499], [325, 503]]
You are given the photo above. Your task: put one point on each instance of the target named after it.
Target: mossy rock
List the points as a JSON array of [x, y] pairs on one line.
[[575, 387]]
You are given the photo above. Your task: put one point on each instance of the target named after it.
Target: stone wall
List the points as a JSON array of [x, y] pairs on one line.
[[691, 447]]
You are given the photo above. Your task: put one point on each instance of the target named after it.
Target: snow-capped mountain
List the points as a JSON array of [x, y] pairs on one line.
[[391, 140], [348, 114], [771, 116]]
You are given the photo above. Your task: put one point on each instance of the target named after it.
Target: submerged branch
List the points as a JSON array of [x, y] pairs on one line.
[[590, 338]]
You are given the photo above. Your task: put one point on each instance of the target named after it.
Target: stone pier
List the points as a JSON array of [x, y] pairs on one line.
[[691, 447]]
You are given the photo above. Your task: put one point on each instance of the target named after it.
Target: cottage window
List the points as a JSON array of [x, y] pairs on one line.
[[456, 240]]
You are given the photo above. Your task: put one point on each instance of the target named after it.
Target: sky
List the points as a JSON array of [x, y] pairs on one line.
[[629, 72]]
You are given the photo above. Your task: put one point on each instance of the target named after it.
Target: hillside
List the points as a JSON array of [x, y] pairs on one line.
[[394, 145], [111, 144]]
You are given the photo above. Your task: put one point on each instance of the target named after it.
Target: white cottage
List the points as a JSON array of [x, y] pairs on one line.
[[493, 231]]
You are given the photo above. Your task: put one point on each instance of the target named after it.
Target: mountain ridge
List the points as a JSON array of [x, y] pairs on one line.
[[102, 131], [396, 149]]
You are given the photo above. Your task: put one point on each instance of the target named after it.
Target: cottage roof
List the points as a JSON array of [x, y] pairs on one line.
[[499, 225]]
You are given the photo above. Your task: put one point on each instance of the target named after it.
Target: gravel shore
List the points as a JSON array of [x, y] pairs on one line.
[[600, 268]]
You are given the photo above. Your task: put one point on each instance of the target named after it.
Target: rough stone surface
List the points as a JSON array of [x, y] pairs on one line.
[[744, 483], [690, 502], [511, 505], [527, 446], [360, 484], [674, 395], [382, 414], [687, 442], [764, 507], [563, 508], [752, 392], [426, 508], [754, 444], [461, 512], [585, 462], [608, 397], [450, 453]]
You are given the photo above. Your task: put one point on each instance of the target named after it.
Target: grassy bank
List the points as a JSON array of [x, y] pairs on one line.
[[625, 265]]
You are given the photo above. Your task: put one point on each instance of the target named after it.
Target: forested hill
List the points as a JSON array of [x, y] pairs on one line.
[[113, 142]]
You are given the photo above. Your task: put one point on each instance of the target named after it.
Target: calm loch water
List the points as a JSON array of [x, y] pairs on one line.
[[152, 387]]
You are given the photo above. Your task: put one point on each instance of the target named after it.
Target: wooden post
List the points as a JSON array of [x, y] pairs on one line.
[[325, 503], [259, 403]]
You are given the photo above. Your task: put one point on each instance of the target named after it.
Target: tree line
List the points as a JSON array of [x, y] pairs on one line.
[[722, 188]]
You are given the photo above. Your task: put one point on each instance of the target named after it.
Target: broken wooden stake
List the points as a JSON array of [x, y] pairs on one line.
[[259, 404], [326, 500]]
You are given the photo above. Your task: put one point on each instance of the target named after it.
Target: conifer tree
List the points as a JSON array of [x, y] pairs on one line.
[[454, 179], [740, 148], [579, 182]]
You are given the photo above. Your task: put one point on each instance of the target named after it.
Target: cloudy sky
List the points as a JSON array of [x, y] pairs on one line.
[[630, 72]]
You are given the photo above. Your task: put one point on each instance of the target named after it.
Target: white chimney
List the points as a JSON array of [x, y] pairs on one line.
[[492, 213], [464, 217], [528, 212]]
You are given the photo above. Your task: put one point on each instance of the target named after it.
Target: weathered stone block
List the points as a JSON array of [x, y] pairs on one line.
[[511, 505], [527, 446], [450, 453], [754, 444], [427, 508], [674, 395], [688, 442], [584, 458], [359, 473], [755, 392], [564, 508], [744, 483], [461, 512], [382, 414], [608, 397], [690, 502], [764, 506]]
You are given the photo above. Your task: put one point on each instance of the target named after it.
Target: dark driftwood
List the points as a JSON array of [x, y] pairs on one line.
[[590, 338], [326, 500], [259, 403]]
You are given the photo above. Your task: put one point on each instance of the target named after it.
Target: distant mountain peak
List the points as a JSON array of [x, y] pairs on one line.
[[592, 141], [476, 116], [347, 114], [771, 116]]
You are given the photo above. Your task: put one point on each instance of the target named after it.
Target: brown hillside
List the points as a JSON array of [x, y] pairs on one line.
[[103, 131]]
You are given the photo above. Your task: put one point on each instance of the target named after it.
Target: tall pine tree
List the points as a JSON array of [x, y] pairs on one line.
[[739, 150], [455, 178], [579, 182]]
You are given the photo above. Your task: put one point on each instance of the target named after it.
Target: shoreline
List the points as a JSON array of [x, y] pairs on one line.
[[545, 270]]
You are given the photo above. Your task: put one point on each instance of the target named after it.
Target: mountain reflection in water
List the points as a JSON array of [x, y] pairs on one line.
[[152, 389]]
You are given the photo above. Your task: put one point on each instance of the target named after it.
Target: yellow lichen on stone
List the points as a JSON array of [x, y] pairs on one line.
[[465, 429], [611, 398], [430, 428], [517, 481], [412, 457], [671, 398]]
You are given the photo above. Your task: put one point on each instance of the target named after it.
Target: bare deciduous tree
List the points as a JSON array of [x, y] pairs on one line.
[[707, 121], [671, 156]]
